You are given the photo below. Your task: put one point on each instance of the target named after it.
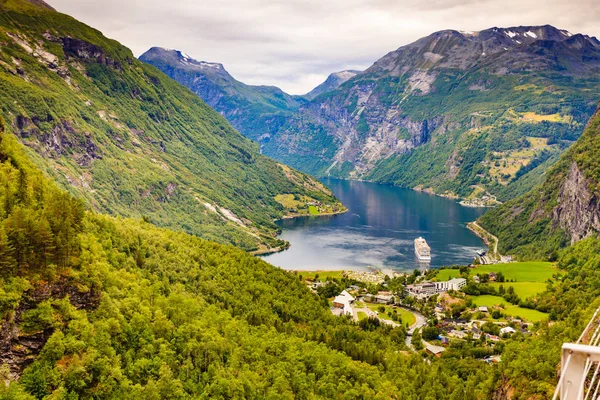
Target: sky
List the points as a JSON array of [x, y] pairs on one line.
[[296, 44]]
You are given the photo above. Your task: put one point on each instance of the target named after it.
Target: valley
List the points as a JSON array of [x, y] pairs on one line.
[[170, 232], [462, 115]]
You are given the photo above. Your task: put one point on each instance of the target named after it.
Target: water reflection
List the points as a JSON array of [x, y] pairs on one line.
[[378, 230]]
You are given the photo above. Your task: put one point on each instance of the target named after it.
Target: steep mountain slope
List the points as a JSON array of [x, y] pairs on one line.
[[332, 82], [456, 112], [255, 111], [131, 141], [562, 210]]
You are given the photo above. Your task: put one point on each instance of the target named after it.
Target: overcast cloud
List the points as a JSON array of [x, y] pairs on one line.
[[295, 44]]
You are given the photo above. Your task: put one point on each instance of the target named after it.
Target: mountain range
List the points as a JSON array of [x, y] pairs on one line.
[[457, 113]]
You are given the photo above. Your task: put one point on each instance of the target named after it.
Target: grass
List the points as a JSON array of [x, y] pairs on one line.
[[509, 309], [362, 315], [523, 289], [288, 201], [531, 271], [313, 210], [447, 274], [533, 117], [323, 275], [405, 316]]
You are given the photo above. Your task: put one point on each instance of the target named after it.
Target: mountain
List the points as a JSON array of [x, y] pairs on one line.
[[255, 111], [561, 211], [457, 113], [132, 142], [332, 82]]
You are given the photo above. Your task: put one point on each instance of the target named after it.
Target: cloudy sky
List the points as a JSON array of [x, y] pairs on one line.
[[295, 44]]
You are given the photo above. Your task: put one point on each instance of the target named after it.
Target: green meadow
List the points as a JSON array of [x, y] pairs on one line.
[[405, 316], [509, 309], [523, 289], [530, 271]]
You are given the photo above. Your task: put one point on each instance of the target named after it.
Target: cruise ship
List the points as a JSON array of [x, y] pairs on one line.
[[422, 249]]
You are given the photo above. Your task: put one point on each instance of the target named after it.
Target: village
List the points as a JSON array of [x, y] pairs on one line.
[[439, 310]]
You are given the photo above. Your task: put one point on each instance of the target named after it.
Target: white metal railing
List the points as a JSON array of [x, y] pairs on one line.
[[580, 365]]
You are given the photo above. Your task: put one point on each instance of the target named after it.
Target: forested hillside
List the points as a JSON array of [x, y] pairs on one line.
[[562, 210], [102, 307], [132, 142]]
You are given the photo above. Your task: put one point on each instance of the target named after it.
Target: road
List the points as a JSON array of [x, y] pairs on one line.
[[488, 234]]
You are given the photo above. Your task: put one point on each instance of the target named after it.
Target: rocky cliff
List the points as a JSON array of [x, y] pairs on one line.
[[578, 209]]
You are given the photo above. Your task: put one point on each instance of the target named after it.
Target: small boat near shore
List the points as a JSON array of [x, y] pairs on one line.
[[422, 250]]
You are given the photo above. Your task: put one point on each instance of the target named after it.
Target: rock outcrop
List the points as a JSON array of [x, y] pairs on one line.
[[19, 349], [578, 209]]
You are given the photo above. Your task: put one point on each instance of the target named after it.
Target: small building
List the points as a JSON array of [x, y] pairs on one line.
[[482, 309], [457, 334], [433, 349], [476, 279], [317, 284], [445, 340], [343, 299], [507, 330]]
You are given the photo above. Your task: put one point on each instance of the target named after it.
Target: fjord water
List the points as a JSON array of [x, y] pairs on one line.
[[379, 230]]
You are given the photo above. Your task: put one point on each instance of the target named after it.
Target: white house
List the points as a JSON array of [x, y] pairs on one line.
[[507, 329], [344, 301]]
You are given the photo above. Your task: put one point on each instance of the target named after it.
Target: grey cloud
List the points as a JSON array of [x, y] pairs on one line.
[[295, 44]]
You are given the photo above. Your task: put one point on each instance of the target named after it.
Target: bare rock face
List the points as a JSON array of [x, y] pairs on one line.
[[578, 210], [80, 49]]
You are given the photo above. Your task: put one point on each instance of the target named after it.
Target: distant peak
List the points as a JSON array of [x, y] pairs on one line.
[[177, 56], [333, 81], [346, 74]]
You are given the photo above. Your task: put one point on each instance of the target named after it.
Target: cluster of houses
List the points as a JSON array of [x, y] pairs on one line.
[[375, 277], [427, 289]]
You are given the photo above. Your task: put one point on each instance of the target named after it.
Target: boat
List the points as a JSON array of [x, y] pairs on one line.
[[422, 249]]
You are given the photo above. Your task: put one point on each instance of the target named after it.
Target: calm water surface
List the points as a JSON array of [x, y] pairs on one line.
[[378, 231]]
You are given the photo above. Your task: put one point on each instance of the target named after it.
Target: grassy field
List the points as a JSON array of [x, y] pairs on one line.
[[288, 201], [509, 309], [361, 315], [447, 274], [523, 289], [406, 316], [533, 117], [313, 210], [323, 275], [533, 271]]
